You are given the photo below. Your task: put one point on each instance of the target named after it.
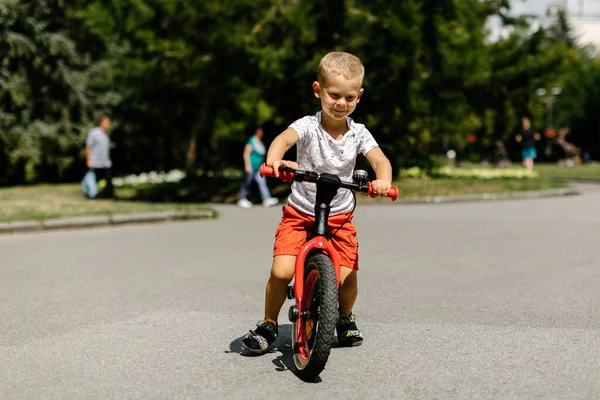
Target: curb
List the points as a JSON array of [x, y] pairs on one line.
[[492, 196], [103, 220]]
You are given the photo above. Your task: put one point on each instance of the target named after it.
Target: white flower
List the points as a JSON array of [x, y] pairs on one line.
[[151, 177]]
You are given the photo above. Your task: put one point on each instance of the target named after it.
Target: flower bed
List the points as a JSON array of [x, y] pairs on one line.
[[172, 176]]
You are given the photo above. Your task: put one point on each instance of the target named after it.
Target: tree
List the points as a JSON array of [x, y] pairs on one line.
[[48, 91], [186, 81]]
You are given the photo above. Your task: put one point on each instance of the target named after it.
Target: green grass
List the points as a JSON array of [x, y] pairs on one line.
[[581, 172], [197, 193], [414, 188], [40, 202], [205, 190]]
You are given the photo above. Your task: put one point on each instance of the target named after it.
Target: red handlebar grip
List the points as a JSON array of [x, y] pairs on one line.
[[287, 176], [393, 193], [268, 171]]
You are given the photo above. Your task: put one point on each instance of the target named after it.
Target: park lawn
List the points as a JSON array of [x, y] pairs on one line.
[[579, 172], [414, 188], [39, 202]]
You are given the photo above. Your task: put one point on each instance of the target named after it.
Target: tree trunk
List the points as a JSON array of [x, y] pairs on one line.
[[190, 160]]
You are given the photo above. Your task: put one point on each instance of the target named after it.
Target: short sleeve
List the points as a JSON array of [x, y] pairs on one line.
[[302, 126], [91, 138], [366, 141]]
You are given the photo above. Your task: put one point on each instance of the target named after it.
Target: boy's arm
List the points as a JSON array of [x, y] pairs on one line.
[[383, 172], [282, 143], [380, 164]]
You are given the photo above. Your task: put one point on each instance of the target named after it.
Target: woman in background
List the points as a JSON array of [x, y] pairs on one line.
[[254, 156]]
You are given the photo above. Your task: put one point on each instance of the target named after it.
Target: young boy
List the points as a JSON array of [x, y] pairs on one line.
[[326, 142]]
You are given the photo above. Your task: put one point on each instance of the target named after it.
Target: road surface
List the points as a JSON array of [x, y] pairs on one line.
[[456, 301]]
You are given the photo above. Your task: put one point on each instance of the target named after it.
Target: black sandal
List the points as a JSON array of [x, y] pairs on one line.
[[347, 332], [259, 340]]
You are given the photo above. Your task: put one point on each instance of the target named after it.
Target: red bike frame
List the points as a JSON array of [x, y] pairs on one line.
[[323, 244], [318, 242]]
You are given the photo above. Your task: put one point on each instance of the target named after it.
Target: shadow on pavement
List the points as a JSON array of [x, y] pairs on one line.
[[202, 189], [282, 349]]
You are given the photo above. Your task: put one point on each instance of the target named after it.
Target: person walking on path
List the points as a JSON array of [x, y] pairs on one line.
[[527, 138], [97, 154], [254, 156]]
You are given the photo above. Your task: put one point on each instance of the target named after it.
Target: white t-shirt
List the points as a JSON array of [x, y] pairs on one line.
[[99, 141], [318, 151]]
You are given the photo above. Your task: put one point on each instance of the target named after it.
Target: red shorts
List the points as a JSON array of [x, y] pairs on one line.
[[294, 227]]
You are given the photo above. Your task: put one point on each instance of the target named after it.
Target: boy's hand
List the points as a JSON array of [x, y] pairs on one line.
[[283, 163], [380, 188], [518, 138]]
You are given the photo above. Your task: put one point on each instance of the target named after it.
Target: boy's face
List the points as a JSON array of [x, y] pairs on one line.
[[339, 96]]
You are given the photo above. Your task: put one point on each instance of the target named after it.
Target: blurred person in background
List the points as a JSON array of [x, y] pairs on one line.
[[97, 154], [501, 159], [570, 151], [527, 138], [254, 156]]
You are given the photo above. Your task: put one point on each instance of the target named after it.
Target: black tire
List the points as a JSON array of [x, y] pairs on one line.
[[325, 295]]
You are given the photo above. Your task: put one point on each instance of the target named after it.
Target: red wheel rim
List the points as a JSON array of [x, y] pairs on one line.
[[304, 334]]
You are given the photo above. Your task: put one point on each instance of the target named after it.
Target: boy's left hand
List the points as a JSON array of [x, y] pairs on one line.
[[380, 188]]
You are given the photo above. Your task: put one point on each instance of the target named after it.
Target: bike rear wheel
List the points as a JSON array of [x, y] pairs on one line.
[[313, 331]]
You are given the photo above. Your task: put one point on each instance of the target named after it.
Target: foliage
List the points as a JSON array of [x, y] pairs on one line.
[[49, 90], [187, 81]]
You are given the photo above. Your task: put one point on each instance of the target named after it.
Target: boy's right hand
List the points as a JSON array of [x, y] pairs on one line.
[[283, 163]]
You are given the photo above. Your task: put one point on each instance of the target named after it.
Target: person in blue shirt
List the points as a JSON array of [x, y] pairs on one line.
[[254, 156]]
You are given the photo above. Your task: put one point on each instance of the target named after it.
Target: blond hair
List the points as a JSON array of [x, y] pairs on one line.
[[340, 63]]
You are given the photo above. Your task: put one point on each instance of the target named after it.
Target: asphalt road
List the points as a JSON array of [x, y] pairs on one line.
[[463, 300]]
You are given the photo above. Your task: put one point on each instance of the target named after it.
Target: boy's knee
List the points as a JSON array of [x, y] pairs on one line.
[[348, 278], [283, 268]]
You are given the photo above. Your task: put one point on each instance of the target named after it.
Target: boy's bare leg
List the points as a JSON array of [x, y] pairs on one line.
[[348, 333], [348, 290], [282, 273]]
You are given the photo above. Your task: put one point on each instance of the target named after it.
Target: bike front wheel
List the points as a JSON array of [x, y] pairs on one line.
[[313, 331]]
